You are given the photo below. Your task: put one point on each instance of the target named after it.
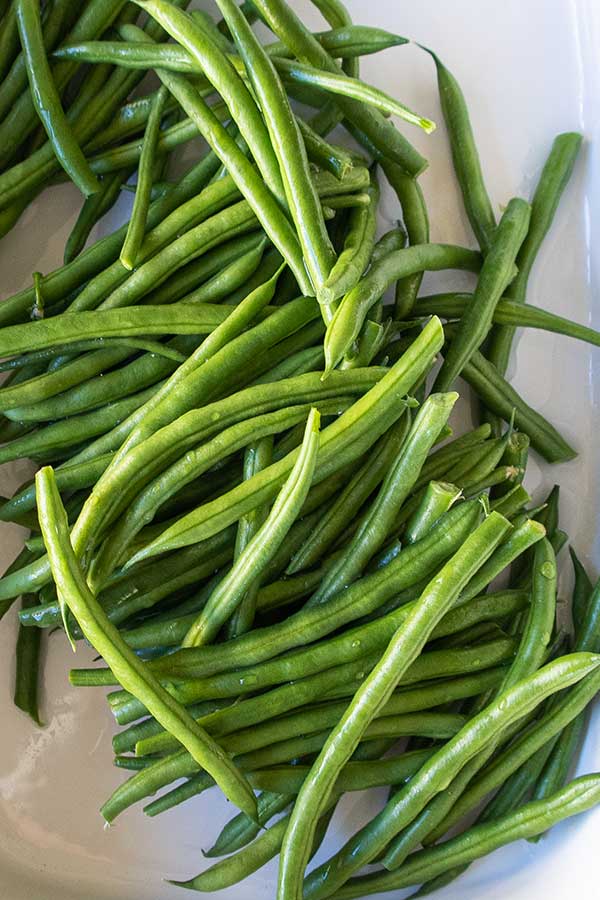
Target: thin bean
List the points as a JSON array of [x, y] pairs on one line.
[[444, 765], [131, 672], [377, 522], [465, 156], [579, 796], [139, 216], [403, 649], [263, 545], [553, 180], [509, 313], [496, 273], [352, 311], [46, 98], [288, 146], [499, 397]]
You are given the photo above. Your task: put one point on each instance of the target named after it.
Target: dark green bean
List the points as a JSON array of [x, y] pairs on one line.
[[496, 273], [46, 98], [499, 397], [93, 209], [465, 157], [553, 180], [27, 674]]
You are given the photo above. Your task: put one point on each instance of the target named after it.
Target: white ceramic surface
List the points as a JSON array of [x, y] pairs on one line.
[[529, 69]]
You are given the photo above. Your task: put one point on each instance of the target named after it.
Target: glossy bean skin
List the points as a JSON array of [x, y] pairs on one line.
[[531, 819], [553, 181], [465, 156], [352, 311], [406, 645], [482, 729], [496, 273], [108, 641], [264, 543], [377, 523], [290, 30]]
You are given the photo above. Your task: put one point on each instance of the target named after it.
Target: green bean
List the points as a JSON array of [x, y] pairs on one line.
[[414, 563], [403, 649], [27, 666], [262, 202], [93, 209], [431, 665], [241, 830], [564, 711], [131, 672], [355, 776], [465, 157], [290, 30], [47, 100], [257, 456], [499, 397], [203, 273], [512, 502], [351, 313], [553, 180], [508, 312], [358, 246], [70, 432], [263, 545], [376, 523], [333, 158], [444, 765], [540, 621], [416, 222], [361, 416], [9, 40], [350, 499], [581, 592], [518, 786], [437, 499], [531, 819], [288, 146], [496, 273], [70, 327], [346, 41], [125, 741], [515, 456], [137, 223]]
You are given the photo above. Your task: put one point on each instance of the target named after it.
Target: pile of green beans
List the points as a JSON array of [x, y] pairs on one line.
[[250, 500]]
